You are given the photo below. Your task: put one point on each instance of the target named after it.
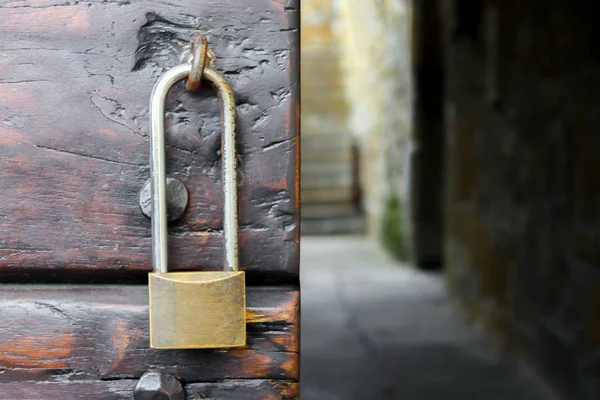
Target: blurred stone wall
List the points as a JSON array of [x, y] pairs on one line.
[[356, 98], [374, 46], [523, 180], [326, 140]]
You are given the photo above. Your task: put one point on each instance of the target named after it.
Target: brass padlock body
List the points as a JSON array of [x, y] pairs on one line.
[[197, 310]]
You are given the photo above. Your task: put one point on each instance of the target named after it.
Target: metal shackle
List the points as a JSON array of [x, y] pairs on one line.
[[158, 171]]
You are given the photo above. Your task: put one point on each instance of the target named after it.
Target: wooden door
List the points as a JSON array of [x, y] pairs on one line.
[[75, 82]]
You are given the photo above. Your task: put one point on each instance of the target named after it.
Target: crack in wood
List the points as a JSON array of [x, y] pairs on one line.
[[92, 157], [109, 115]]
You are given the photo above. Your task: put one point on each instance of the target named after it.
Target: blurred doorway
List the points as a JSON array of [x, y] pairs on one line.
[[330, 183]]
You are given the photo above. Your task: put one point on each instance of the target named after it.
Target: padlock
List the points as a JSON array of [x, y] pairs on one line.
[[195, 310]]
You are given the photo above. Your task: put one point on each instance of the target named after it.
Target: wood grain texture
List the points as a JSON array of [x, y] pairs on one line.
[[67, 389], [243, 389], [75, 81], [97, 333]]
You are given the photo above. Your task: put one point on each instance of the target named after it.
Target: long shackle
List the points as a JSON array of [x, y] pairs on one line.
[[158, 166]]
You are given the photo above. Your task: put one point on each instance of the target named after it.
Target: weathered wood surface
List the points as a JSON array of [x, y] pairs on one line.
[[75, 81], [82, 333], [67, 389], [243, 389]]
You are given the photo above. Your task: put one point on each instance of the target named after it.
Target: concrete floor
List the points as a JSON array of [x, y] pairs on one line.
[[374, 329]]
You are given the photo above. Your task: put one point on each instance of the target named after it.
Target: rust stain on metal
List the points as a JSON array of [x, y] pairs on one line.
[[199, 56]]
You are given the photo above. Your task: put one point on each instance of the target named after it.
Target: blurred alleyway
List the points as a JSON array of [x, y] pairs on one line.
[[473, 128], [375, 329]]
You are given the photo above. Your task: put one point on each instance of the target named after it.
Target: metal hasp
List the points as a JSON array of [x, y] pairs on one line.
[[195, 310]]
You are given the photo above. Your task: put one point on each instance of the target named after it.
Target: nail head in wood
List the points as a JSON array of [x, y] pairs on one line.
[[158, 386], [177, 199]]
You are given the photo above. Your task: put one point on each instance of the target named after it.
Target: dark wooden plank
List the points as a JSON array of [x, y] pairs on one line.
[[71, 388], [243, 389], [49, 331], [66, 389], [75, 81]]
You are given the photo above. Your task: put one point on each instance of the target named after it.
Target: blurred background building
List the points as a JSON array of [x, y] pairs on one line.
[[460, 135], [356, 115]]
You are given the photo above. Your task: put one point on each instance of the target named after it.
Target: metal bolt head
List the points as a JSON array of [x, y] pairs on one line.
[[158, 386], [177, 199]]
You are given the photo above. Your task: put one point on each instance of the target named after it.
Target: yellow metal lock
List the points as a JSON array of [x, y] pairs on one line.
[[195, 310]]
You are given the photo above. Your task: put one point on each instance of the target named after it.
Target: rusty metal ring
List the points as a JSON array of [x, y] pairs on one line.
[[199, 57]]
